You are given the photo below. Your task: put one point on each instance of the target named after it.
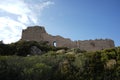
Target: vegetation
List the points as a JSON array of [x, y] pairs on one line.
[[22, 48], [74, 64]]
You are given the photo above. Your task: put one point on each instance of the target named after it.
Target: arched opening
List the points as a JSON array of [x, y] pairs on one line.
[[54, 43]]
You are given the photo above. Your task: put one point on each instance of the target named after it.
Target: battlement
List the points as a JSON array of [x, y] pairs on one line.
[[38, 33]]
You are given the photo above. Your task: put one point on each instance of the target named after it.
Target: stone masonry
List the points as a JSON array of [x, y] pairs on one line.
[[38, 33]]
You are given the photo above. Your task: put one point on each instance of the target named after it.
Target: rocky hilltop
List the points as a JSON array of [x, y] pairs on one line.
[[38, 33]]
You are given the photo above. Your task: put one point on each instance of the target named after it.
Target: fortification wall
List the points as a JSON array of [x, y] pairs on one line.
[[33, 33], [92, 45], [38, 33]]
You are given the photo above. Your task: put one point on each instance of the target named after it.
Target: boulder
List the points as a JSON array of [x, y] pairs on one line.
[[70, 53], [110, 64], [35, 50], [62, 51]]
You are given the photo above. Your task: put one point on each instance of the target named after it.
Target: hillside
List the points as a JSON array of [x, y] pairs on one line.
[[57, 63]]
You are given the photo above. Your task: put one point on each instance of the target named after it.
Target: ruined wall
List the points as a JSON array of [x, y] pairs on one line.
[[92, 45], [38, 33], [1, 42], [33, 33]]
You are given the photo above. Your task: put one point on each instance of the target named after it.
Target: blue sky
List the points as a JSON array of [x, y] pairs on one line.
[[84, 19], [75, 19]]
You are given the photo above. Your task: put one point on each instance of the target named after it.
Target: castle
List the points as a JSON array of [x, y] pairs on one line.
[[38, 33]]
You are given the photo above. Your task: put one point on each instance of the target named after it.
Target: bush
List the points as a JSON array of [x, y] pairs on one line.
[[99, 65]]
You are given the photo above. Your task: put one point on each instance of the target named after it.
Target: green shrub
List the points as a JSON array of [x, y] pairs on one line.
[[99, 65]]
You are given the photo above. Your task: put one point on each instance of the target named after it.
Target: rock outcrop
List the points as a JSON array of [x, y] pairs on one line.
[[62, 51], [35, 51]]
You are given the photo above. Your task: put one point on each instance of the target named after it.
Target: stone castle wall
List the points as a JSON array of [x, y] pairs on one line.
[[38, 33]]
